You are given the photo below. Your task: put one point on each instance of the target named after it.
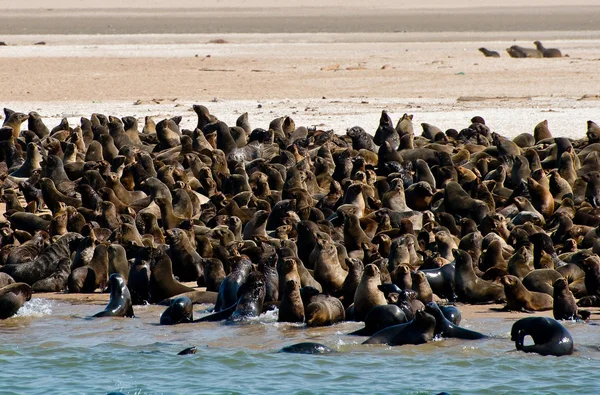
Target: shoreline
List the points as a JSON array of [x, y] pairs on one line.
[[469, 312]]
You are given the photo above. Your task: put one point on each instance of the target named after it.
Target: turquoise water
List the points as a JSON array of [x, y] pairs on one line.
[[52, 348]]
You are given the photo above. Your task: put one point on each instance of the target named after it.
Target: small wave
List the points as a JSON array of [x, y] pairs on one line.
[[35, 308]]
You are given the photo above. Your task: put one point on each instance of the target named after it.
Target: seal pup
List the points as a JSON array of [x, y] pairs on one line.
[[549, 336], [120, 299], [418, 331]]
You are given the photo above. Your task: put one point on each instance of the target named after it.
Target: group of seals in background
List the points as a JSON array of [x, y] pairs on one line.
[[516, 51], [324, 227]]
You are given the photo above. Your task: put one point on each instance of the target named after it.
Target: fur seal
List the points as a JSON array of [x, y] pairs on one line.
[[5, 280], [367, 293], [187, 263], [519, 298], [162, 285], [94, 275], [229, 288], [565, 307], [307, 348], [547, 52], [291, 308], [252, 296], [324, 310], [549, 336], [470, 288], [46, 263], [445, 328], [12, 297], [327, 269], [180, 311], [120, 299], [418, 331], [381, 317], [516, 51], [489, 54], [57, 281]]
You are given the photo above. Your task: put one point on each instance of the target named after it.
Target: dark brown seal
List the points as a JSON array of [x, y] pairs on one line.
[[519, 298]]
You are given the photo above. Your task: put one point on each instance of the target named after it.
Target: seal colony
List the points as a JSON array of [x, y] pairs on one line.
[[383, 228]]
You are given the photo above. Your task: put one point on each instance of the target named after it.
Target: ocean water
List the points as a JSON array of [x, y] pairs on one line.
[[52, 347]]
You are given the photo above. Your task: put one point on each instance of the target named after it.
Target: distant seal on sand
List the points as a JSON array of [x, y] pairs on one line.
[[120, 299], [547, 52], [519, 52], [489, 54], [549, 336], [12, 297], [418, 331], [519, 298]]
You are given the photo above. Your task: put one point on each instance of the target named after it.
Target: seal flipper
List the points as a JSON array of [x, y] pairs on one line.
[[218, 316]]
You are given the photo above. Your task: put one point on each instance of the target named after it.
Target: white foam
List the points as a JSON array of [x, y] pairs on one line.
[[36, 308]]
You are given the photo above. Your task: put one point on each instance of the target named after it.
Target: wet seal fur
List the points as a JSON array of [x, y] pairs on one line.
[[445, 328], [12, 298], [307, 348], [120, 299], [418, 331], [549, 336]]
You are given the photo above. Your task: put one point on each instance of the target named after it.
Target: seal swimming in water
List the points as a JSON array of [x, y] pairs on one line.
[[549, 336], [307, 348], [180, 311], [120, 304]]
